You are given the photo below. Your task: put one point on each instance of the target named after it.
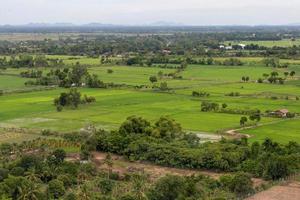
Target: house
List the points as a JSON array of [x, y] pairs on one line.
[[226, 47], [242, 46], [166, 51], [281, 113], [229, 48]]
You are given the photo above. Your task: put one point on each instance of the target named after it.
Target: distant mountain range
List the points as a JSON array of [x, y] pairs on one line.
[[66, 25], [294, 24], [94, 24], [48, 24], [165, 23]]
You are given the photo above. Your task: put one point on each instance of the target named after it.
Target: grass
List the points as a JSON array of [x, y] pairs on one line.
[[8, 83], [282, 132], [35, 110], [127, 75], [112, 108]]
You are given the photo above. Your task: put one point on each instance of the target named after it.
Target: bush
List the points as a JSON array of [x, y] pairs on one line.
[[59, 108], [105, 185], [200, 94], [233, 94], [56, 189], [163, 86], [240, 183], [207, 106], [290, 115], [167, 188], [71, 99], [3, 174]]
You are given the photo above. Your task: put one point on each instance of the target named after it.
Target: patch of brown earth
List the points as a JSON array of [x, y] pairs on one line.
[[123, 166], [289, 191]]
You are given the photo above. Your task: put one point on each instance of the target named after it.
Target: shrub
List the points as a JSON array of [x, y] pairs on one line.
[[56, 188], [240, 183]]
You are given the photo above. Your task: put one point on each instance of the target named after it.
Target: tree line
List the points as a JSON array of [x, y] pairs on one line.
[[165, 143]]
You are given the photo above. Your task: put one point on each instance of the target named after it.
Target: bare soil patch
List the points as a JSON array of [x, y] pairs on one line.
[[288, 191], [123, 166]]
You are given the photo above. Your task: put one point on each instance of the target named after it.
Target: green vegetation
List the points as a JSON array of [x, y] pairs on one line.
[[213, 84], [47, 173], [165, 143], [195, 102]]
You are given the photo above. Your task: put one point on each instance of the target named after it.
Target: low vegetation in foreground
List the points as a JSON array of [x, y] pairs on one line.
[[41, 169]]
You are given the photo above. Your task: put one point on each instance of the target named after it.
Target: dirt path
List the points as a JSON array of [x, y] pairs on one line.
[[236, 132], [123, 166], [289, 191]]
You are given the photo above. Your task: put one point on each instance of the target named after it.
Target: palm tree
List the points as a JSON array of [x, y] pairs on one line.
[[139, 185], [32, 176], [108, 161], [30, 191], [82, 177], [84, 193]]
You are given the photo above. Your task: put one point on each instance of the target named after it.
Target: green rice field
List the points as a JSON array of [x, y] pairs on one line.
[[35, 109]]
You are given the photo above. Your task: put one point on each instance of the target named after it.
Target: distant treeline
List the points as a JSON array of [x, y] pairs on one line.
[[173, 43]]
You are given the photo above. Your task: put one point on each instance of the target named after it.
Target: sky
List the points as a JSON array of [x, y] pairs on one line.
[[144, 12]]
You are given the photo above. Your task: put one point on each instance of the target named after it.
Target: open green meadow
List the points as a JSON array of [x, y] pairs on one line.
[[282, 131], [35, 109], [10, 83]]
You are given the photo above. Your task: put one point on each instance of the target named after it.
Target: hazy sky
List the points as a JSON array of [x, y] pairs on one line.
[[135, 12]]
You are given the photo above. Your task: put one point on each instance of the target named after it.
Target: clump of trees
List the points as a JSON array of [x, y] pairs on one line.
[[254, 116], [110, 71], [92, 81], [209, 106], [182, 63], [274, 62], [153, 79], [72, 99], [232, 62], [164, 86], [32, 74], [200, 94], [233, 94], [77, 76], [274, 78], [243, 121], [245, 78], [271, 62], [165, 143], [29, 61], [164, 128]]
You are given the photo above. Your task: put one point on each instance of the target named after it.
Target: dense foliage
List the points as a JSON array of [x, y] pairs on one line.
[[165, 143], [72, 99]]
